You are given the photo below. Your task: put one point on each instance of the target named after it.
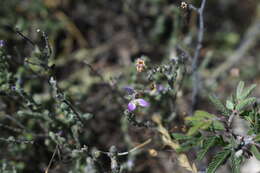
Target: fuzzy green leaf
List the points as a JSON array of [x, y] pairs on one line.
[[229, 105], [240, 89], [257, 138], [255, 151], [218, 160], [206, 146], [245, 103], [219, 105], [235, 163], [247, 92], [217, 125]]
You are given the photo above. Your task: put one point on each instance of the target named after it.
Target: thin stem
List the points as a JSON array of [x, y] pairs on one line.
[[22, 35], [16, 121], [136, 148], [230, 119], [12, 140], [52, 157], [195, 74]]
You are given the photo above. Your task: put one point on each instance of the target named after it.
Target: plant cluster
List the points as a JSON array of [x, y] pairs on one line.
[[69, 125], [209, 131]]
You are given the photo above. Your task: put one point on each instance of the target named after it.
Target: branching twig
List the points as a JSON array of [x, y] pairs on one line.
[[16, 121], [16, 130], [133, 149], [132, 119], [24, 37], [101, 77], [113, 154], [195, 74], [60, 96], [12, 140]]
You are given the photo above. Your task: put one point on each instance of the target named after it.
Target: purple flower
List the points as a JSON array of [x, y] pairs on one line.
[[156, 89], [131, 106], [129, 90], [137, 102], [2, 43], [160, 88]]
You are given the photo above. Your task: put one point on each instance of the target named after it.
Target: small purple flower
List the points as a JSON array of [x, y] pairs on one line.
[[13, 88], [129, 90], [160, 88], [156, 89], [137, 102], [60, 133], [131, 106], [2, 43]]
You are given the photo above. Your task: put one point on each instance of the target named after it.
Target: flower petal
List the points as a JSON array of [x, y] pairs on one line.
[[142, 102], [129, 90], [131, 106], [2, 43], [160, 88]]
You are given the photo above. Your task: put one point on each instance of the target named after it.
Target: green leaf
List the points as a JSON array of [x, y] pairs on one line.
[[187, 145], [233, 143], [249, 119], [203, 114], [255, 151], [257, 138], [194, 129], [245, 103], [217, 125], [240, 88], [200, 115], [206, 125], [201, 121], [247, 92], [179, 136], [246, 113], [206, 146], [219, 105], [218, 160], [235, 163], [199, 125], [229, 105]]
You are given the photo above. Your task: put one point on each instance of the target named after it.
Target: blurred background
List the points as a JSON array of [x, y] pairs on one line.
[[110, 36]]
